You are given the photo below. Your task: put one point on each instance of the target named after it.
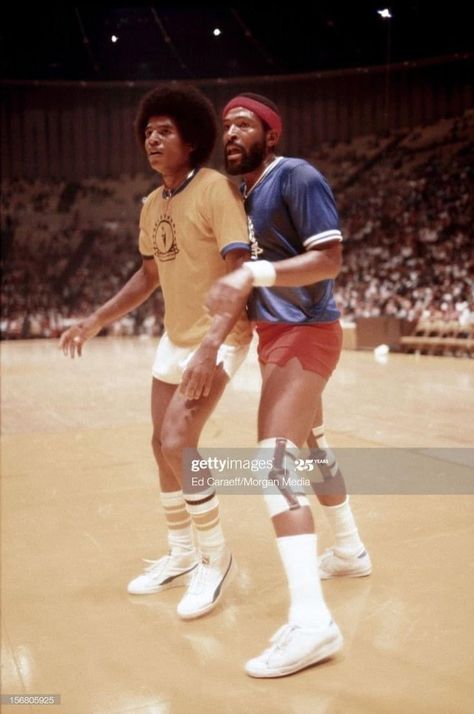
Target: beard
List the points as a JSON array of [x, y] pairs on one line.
[[248, 160]]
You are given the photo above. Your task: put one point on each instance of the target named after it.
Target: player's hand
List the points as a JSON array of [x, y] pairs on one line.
[[229, 293], [199, 373], [71, 340]]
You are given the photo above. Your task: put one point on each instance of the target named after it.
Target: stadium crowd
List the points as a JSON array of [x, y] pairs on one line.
[[407, 216]]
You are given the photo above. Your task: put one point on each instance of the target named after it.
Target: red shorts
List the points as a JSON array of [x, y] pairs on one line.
[[316, 346]]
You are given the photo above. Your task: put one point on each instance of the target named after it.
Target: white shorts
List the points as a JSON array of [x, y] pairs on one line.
[[171, 360]]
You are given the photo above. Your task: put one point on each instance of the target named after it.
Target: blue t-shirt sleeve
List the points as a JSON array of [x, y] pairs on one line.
[[311, 206]]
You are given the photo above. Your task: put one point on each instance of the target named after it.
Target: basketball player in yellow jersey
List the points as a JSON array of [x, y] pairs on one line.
[[193, 230]]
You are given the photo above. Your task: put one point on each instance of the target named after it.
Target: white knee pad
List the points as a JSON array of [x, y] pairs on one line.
[[329, 469], [318, 433], [280, 497]]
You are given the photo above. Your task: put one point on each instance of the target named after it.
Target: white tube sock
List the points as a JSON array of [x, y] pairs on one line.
[[342, 522], [299, 557]]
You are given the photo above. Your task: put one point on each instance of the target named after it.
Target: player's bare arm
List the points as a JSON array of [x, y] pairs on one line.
[[197, 378], [306, 269], [138, 289], [309, 268]]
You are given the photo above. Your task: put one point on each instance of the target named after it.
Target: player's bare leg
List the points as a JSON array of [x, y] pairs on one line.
[[348, 557], [335, 493], [285, 417], [177, 425]]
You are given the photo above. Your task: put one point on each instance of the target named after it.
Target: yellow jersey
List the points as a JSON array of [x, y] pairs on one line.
[[188, 232]]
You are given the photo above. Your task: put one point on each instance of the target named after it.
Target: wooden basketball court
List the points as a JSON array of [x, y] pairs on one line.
[[80, 510]]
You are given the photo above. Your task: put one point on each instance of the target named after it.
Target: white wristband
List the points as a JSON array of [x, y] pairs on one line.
[[263, 272]]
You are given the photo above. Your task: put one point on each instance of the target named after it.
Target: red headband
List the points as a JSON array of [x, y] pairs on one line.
[[261, 110]]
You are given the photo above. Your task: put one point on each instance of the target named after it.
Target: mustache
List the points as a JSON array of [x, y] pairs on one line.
[[233, 145]]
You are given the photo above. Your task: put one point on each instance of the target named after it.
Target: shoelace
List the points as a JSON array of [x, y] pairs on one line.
[[328, 552], [198, 577], [158, 565], [331, 553], [281, 637]]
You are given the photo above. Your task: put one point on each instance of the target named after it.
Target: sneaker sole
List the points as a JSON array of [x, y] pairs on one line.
[[178, 581], [326, 652], [346, 574], [228, 577]]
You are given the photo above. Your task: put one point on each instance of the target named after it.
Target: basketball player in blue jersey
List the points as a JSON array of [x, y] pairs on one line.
[[296, 242]]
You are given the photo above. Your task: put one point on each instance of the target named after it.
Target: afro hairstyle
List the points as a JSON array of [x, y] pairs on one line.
[[192, 112]]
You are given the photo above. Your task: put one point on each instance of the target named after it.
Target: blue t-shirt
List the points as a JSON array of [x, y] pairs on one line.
[[291, 209]]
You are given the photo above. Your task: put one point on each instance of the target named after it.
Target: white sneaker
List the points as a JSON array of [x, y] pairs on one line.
[[333, 565], [294, 648], [208, 582], [170, 571]]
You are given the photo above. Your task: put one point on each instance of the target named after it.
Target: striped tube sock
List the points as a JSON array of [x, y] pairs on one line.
[[178, 520], [204, 510]]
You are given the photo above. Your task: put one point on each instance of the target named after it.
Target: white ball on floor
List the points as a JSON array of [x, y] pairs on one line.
[[381, 354]]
